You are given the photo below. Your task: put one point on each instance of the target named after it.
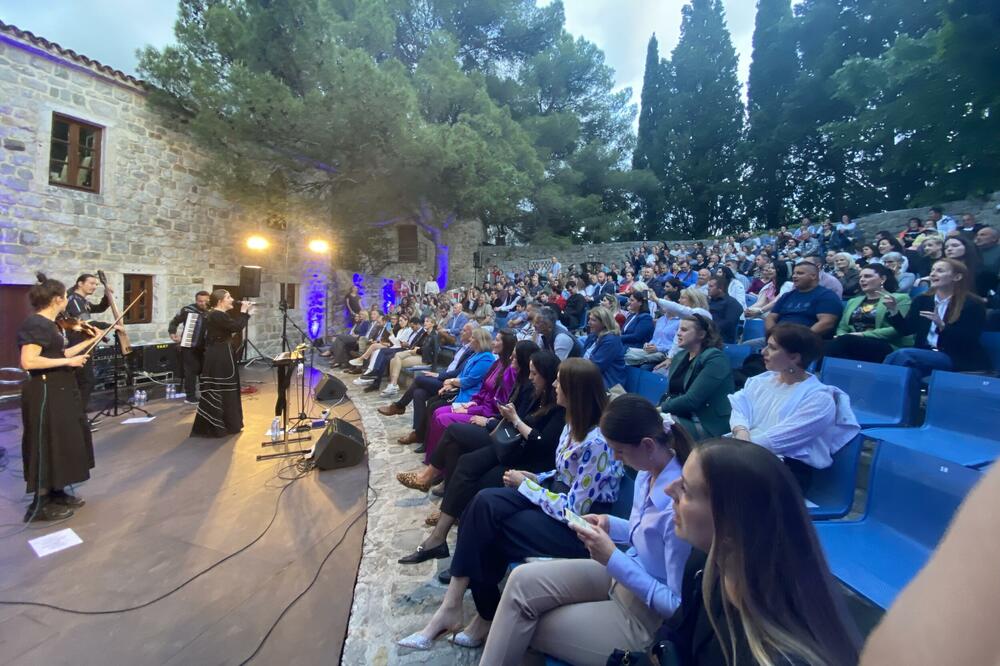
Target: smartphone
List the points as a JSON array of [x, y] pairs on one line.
[[574, 519]]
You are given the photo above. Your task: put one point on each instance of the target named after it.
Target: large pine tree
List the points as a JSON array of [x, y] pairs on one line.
[[649, 209], [773, 70], [701, 126]]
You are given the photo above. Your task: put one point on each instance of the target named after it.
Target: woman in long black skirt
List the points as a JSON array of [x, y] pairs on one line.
[[56, 446], [220, 411]]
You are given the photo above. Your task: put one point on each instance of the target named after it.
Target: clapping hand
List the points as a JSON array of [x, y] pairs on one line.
[[890, 302], [933, 316]]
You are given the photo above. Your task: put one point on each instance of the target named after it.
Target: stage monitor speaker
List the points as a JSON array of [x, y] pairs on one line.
[[160, 358], [330, 388], [340, 445], [250, 281]]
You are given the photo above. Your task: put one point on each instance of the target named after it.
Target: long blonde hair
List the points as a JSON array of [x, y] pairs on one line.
[[607, 320]]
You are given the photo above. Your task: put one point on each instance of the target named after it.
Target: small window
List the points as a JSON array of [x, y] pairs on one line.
[[75, 154], [141, 312], [409, 249], [288, 292]]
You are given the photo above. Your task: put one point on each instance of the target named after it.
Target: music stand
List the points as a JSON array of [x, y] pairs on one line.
[[285, 364], [120, 361]]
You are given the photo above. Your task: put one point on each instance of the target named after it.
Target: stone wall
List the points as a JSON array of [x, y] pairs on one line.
[[153, 214], [518, 257]]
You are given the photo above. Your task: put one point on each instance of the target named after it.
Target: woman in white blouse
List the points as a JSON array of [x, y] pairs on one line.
[[579, 610], [527, 517], [788, 410]]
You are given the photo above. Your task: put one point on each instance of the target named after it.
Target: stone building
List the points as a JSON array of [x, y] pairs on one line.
[[92, 178]]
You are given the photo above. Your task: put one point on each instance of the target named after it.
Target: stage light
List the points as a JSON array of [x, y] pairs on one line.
[[256, 242], [319, 246]]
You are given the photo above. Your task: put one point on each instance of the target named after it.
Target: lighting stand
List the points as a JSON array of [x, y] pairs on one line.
[[258, 358]]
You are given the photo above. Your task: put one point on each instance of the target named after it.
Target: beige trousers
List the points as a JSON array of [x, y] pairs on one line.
[[563, 608], [403, 359]]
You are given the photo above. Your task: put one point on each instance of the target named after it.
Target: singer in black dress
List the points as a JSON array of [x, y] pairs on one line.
[[220, 410], [56, 445]]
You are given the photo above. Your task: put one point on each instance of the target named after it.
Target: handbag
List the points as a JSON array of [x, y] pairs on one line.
[[507, 442]]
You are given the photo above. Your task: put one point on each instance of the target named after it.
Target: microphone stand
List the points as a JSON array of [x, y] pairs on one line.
[[287, 346]]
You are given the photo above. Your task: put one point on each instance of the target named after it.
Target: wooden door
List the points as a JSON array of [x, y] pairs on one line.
[[15, 308]]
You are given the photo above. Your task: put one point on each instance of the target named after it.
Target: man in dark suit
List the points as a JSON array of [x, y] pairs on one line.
[[428, 384]]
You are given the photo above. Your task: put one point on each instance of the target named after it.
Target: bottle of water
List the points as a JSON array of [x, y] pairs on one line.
[[135, 397], [142, 398], [301, 369], [170, 391], [276, 429]]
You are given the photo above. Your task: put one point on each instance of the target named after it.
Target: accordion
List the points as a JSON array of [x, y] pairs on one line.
[[192, 332]]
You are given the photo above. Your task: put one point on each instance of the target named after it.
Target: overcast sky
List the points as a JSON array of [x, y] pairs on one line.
[[110, 31]]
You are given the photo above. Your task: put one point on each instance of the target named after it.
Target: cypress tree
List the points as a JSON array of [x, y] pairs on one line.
[[773, 69], [702, 126], [649, 110]]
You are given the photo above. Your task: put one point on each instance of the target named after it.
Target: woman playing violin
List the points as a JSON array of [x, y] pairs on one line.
[[56, 446]]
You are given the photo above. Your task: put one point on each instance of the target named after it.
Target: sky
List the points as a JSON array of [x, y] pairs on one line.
[[110, 31]]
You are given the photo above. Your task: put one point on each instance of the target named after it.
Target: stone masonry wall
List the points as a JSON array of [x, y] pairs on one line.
[[517, 257], [153, 214]]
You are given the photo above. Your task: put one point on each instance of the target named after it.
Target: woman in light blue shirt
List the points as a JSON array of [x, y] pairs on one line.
[[581, 610]]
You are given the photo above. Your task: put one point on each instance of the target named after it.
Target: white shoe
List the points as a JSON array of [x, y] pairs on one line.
[[391, 389], [363, 382], [356, 362], [462, 639]]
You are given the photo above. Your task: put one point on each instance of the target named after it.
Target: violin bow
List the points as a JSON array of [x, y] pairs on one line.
[[116, 322]]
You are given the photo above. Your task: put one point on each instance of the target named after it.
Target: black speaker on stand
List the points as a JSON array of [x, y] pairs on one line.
[[250, 288]]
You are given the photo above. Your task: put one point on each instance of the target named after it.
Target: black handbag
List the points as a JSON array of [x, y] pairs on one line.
[[507, 442]]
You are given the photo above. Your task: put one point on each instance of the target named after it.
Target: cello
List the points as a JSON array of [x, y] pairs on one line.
[[123, 341]]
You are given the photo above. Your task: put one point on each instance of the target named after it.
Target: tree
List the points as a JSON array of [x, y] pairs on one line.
[[649, 208], [930, 104], [773, 71], [701, 125]]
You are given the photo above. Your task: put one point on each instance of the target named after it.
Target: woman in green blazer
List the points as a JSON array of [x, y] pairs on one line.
[[863, 333], [700, 380]]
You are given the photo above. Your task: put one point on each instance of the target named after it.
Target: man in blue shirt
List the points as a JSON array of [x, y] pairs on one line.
[[807, 304]]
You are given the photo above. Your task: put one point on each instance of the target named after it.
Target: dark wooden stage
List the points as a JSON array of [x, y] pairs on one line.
[[160, 508]]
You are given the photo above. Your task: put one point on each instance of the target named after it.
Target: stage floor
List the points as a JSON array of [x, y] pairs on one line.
[[160, 508]]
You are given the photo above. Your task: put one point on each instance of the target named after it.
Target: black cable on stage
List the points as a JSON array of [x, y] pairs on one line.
[[274, 516], [315, 577]]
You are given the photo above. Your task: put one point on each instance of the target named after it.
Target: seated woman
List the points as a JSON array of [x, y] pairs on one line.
[[468, 383], [611, 304], [527, 517], [945, 322], [789, 411], [848, 274], [638, 327], [700, 380], [747, 599], [502, 380], [962, 249], [380, 336], [691, 301], [863, 334], [471, 460], [573, 609], [777, 284], [420, 349], [900, 267], [604, 346], [495, 389]]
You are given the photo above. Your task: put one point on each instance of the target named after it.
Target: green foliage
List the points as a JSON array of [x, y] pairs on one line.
[[386, 108], [701, 126]]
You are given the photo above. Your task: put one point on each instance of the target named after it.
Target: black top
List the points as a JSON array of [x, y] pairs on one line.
[[181, 316], [37, 330], [960, 341], [79, 307], [575, 305], [220, 327], [539, 450], [353, 303], [726, 312]]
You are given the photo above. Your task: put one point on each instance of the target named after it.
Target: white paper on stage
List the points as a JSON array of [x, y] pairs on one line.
[[139, 419], [53, 543]]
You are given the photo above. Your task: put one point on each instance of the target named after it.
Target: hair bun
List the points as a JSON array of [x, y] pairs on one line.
[[41, 277]]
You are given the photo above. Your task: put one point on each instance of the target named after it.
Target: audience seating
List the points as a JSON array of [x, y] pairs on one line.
[[632, 375], [831, 490], [753, 329], [911, 500], [737, 354], [991, 342], [881, 395], [652, 386], [961, 424]]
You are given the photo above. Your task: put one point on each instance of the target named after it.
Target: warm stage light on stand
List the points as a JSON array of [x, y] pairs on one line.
[[256, 242], [319, 246]]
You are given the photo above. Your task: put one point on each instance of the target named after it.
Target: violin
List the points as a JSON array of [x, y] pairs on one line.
[[78, 325]]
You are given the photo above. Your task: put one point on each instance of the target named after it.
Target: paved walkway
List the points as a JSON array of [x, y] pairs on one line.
[[392, 600]]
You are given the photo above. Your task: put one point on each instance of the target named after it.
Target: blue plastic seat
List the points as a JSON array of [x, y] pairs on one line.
[[632, 375], [736, 354], [831, 490], [881, 395], [961, 424], [416, 369], [652, 386], [753, 329], [991, 342], [912, 498], [552, 661]]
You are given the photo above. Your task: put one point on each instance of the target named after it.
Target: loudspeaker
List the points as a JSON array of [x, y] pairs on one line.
[[329, 388], [250, 281], [477, 259], [340, 445], [160, 358]]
